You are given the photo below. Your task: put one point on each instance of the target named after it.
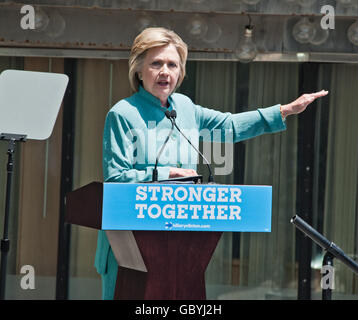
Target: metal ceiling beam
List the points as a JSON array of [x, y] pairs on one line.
[[275, 7], [93, 31], [202, 56]]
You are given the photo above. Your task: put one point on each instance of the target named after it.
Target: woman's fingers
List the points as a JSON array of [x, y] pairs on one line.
[[188, 172], [179, 172], [310, 97], [319, 94]]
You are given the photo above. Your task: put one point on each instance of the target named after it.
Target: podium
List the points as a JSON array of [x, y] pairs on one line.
[[165, 265]]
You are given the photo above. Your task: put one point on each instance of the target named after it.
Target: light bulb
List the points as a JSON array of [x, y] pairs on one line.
[[352, 33], [41, 20], [303, 31], [144, 21], [321, 35], [247, 50], [57, 25], [197, 27], [213, 33]]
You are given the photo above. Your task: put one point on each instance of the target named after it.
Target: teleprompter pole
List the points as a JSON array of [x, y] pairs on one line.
[[5, 242]]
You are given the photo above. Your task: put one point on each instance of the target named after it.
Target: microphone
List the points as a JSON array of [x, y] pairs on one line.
[[172, 115], [155, 170]]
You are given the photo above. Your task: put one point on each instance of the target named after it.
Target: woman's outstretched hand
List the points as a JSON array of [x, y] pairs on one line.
[[301, 103]]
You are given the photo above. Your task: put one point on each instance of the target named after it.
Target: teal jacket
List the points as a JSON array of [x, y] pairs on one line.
[[136, 128]]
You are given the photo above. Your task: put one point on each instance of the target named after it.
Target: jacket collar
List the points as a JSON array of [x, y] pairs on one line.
[[154, 100]]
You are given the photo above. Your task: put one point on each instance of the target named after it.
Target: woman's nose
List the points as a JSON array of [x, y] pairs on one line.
[[164, 69]]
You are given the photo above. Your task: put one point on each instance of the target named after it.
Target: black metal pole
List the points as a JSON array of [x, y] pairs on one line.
[[327, 289], [5, 242], [68, 138]]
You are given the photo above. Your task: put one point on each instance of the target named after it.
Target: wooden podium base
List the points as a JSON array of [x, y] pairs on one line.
[[175, 263]]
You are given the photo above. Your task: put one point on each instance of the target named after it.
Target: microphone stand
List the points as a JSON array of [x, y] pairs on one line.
[[155, 170], [332, 250], [189, 179], [5, 242], [173, 115]]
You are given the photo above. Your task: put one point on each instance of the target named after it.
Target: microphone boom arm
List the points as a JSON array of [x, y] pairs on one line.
[[172, 115], [211, 178], [155, 170]]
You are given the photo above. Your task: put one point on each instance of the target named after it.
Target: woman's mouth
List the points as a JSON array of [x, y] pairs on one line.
[[163, 83]]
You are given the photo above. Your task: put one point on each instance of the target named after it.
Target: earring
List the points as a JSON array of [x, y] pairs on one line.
[[140, 76]]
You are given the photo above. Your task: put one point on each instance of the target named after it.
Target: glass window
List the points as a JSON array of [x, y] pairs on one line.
[[336, 179]]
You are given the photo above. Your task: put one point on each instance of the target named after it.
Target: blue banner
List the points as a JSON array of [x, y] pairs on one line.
[[183, 207]]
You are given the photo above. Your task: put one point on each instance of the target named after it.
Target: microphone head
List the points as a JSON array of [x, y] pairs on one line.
[[173, 114], [167, 114]]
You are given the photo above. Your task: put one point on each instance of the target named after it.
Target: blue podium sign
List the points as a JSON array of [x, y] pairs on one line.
[[186, 207]]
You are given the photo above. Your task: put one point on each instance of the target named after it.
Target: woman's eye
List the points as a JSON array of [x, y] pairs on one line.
[[156, 64], [172, 65]]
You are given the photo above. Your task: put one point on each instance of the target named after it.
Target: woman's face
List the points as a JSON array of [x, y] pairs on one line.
[[160, 71]]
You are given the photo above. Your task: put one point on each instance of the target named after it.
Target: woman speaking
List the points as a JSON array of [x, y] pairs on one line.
[[131, 139]]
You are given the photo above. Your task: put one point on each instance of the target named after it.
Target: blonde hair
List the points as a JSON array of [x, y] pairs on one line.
[[151, 38]]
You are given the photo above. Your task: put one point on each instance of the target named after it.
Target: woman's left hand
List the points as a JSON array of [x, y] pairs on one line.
[[301, 103]]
